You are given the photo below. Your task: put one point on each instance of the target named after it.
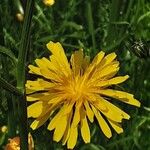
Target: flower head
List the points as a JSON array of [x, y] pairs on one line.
[[4, 129], [20, 17], [71, 94], [14, 143], [48, 2]]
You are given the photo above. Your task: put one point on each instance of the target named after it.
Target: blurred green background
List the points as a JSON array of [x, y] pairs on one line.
[[111, 25]]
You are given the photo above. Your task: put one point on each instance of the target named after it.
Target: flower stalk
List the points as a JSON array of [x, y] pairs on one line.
[[22, 109]]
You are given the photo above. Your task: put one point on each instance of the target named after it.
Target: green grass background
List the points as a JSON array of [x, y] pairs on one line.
[[110, 25]]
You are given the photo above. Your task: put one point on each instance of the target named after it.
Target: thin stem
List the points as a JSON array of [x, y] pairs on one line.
[[22, 105], [24, 45], [91, 25], [11, 116]]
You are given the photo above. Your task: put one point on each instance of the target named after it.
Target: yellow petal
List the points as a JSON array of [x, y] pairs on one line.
[[102, 123], [74, 127], [72, 140], [108, 59], [106, 66], [48, 2], [35, 109], [68, 107], [58, 51], [92, 67], [29, 91], [116, 110], [55, 100], [46, 84], [54, 66], [60, 69], [35, 70], [85, 131], [31, 99], [50, 75], [104, 73], [108, 70], [116, 126], [60, 128], [98, 58], [98, 102], [45, 97], [67, 131], [35, 96], [120, 95], [49, 64], [33, 86], [53, 123], [89, 112], [39, 122], [111, 111], [76, 61], [41, 63], [85, 63], [76, 118], [112, 81]]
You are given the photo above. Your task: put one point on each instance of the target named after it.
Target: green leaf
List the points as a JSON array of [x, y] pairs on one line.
[[8, 53], [2, 138], [143, 16], [120, 23]]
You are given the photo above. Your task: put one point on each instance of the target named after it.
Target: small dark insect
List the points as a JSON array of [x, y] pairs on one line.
[[141, 48]]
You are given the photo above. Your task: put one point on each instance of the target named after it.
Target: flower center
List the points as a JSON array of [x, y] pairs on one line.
[[76, 89]]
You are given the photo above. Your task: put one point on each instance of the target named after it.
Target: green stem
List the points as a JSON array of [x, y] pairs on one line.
[[91, 26], [7, 86], [11, 116], [22, 105], [24, 45]]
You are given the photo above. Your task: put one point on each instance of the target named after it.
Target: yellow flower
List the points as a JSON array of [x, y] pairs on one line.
[[14, 143], [71, 94], [20, 17], [4, 129], [48, 2]]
